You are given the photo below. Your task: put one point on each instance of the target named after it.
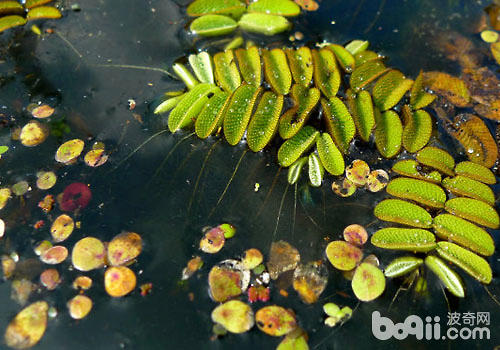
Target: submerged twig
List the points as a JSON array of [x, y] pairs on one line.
[[73, 48], [378, 13], [279, 213], [268, 194], [131, 66]]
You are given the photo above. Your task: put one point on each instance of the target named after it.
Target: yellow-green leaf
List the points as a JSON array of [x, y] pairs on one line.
[[437, 158], [417, 130], [476, 172], [366, 72], [285, 8], [9, 7], [345, 58], [213, 25], [10, 22], [330, 155], [401, 266], [410, 239], [403, 212], [201, 64], [419, 98], [234, 8], [45, 12], [294, 147], [276, 70], [368, 282], [211, 116], [427, 193], [390, 89], [363, 114], [473, 210], [263, 23], [305, 99], [388, 133], [250, 64], [226, 71], [463, 186], [326, 72], [295, 170], [411, 168], [450, 278], [264, 122], [316, 170], [339, 123], [301, 64]]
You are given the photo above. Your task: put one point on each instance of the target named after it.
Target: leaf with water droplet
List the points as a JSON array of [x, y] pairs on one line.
[[285, 8], [326, 72], [339, 123], [301, 64], [463, 186], [388, 133], [294, 147], [201, 64], [417, 130], [366, 72], [263, 23], [390, 89], [403, 212], [277, 71], [361, 107], [410, 239], [345, 58], [476, 172], [264, 122], [419, 191], [411, 168], [227, 74], [304, 99], [249, 63], [329, 154], [212, 114], [473, 210], [437, 158]]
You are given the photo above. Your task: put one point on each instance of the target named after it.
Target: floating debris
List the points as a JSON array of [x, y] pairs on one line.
[[343, 187], [146, 289], [275, 320], [192, 266], [8, 266], [95, 157], [4, 196], [28, 327], [310, 280], [377, 180], [258, 293], [50, 279], [282, 257], [234, 315], [21, 290], [79, 306], [124, 248], [252, 258], [20, 188], [119, 281], [88, 254], [75, 196], [355, 234], [47, 203]]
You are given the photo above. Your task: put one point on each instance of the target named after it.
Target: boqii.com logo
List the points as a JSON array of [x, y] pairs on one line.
[[468, 325]]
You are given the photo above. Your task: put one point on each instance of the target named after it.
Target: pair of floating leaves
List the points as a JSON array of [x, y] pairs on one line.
[[455, 229], [410, 239], [403, 212], [419, 98], [423, 192]]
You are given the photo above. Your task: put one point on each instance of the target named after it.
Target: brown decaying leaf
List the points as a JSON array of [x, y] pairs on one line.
[[452, 88], [282, 257], [484, 88]]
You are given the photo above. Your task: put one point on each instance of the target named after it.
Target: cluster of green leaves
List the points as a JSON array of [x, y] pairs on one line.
[[227, 92], [220, 17], [460, 218], [14, 13]]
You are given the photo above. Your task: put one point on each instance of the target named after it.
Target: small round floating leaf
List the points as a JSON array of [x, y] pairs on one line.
[[228, 230], [339, 123], [69, 150], [410, 239], [489, 36], [368, 282], [377, 180], [119, 281], [390, 89], [473, 210], [46, 180], [43, 111], [54, 255], [79, 306], [224, 283], [212, 25], [358, 172], [20, 188], [88, 254], [277, 71], [294, 147], [417, 130], [316, 170], [50, 279], [309, 281], [252, 258], [355, 234], [95, 158], [403, 212], [463, 186], [452, 88], [295, 340], [301, 65], [234, 8], [211, 116], [262, 23], [331, 309], [411, 168], [361, 107], [234, 315], [190, 106], [285, 8], [343, 187], [476, 172], [388, 133], [367, 72], [295, 169], [345, 58], [239, 111], [438, 159], [419, 98], [330, 156], [33, 133], [419, 191], [357, 46], [249, 63], [326, 72], [343, 256], [213, 241], [8, 22], [449, 277], [45, 12], [402, 266], [28, 327], [201, 64], [62, 227], [471, 263], [264, 122], [75, 196], [124, 248], [455, 229], [275, 320], [304, 99]]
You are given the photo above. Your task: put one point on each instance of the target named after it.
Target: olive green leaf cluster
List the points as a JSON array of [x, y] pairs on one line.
[[220, 17], [13, 13], [459, 221]]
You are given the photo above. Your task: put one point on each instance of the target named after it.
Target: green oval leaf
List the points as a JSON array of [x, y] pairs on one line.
[[10, 22], [316, 170], [476, 172], [213, 25], [401, 266], [411, 239], [45, 12], [262, 23], [450, 278], [226, 71], [10, 8], [419, 98], [301, 64], [326, 72], [168, 104], [455, 229], [339, 123], [473, 210], [390, 89], [343, 255], [403, 212], [366, 72], [276, 70], [295, 169], [345, 58], [463, 186], [419, 191], [202, 67], [330, 155], [357, 46], [293, 148], [34, 3], [211, 116], [417, 130], [388, 133], [365, 56], [234, 8], [250, 65], [411, 168], [305, 99], [363, 114], [368, 282], [238, 112], [471, 263], [263, 124], [438, 159], [285, 8]]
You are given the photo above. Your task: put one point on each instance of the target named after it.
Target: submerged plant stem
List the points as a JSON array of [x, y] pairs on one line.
[[279, 215], [73, 48], [131, 66], [268, 194]]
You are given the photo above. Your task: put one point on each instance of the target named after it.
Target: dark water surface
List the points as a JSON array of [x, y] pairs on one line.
[[160, 199]]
